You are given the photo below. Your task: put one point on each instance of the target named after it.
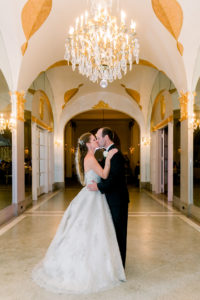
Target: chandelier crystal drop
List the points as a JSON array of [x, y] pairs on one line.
[[100, 48]]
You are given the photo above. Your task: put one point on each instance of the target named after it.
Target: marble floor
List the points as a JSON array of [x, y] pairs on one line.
[[163, 257]]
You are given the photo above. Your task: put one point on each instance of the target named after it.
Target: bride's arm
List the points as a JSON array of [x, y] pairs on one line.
[[94, 165]]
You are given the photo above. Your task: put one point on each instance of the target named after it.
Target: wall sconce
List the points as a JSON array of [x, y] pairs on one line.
[[131, 149], [146, 141], [179, 150], [7, 123], [58, 142], [26, 151], [72, 150]]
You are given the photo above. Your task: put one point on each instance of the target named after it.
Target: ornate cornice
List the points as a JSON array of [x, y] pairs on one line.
[[183, 99]]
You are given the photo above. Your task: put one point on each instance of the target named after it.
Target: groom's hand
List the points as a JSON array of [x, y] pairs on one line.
[[93, 186]]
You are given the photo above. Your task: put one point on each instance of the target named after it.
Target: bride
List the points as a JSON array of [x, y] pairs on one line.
[[84, 255]]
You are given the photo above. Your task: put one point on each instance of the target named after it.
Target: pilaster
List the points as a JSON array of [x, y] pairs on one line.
[[18, 185], [186, 104]]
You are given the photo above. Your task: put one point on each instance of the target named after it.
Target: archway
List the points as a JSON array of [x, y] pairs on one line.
[[127, 133]]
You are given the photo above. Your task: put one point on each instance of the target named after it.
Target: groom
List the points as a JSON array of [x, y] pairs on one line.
[[115, 189]]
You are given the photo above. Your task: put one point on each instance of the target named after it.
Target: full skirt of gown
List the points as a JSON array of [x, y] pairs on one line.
[[84, 255]]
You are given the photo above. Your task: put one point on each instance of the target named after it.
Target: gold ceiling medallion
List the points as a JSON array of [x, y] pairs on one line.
[[34, 14], [101, 104], [70, 93], [134, 95], [100, 47], [184, 105], [170, 14]]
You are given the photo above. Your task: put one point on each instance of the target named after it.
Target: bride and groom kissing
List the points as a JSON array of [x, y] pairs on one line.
[[88, 252]]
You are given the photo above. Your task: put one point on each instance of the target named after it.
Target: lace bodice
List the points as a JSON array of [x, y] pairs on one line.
[[91, 175]]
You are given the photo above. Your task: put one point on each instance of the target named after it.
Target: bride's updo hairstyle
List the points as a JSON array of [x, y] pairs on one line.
[[81, 152]]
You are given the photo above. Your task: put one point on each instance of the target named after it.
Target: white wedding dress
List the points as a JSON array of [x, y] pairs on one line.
[[84, 255]]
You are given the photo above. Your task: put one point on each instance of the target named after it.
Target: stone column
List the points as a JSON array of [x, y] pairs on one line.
[[186, 104], [18, 186]]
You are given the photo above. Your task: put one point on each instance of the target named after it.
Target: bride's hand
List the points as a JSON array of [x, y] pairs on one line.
[[111, 153]]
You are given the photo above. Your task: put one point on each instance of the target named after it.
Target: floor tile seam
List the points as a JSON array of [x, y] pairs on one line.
[[35, 207], [163, 216], [160, 202], [190, 222], [182, 217], [10, 225]]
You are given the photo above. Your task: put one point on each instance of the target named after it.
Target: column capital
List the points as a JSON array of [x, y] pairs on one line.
[[17, 99], [186, 102]]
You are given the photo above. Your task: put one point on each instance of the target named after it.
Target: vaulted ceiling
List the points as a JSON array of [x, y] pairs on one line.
[[33, 33]]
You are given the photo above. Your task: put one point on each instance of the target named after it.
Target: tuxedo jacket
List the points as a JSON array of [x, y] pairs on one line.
[[114, 187]]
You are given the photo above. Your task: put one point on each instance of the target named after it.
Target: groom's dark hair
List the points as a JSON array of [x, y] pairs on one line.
[[108, 131]]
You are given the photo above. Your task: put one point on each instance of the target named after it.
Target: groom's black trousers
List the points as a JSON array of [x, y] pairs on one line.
[[120, 219]]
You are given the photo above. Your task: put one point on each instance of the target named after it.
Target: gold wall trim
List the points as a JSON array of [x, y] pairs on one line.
[[163, 123], [42, 124], [46, 99], [101, 104], [157, 99]]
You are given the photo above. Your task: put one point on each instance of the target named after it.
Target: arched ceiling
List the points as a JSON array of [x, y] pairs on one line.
[[46, 42]]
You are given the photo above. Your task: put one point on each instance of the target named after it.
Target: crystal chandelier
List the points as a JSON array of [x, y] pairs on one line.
[[100, 47], [9, 123]]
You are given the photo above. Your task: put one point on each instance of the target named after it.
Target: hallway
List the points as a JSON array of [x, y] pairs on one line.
[[162, 257]]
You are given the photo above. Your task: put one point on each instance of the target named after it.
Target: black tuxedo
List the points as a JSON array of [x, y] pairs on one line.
[[116, 192]]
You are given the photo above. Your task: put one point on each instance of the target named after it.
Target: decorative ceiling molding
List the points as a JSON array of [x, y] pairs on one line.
[[170, 14], [59, 63], [101, 104], [34, 14], [172, 91], [134, 95], [144, 62], [69, 94]]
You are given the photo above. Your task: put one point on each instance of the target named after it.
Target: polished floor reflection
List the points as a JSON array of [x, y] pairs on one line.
[[162, 257]]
